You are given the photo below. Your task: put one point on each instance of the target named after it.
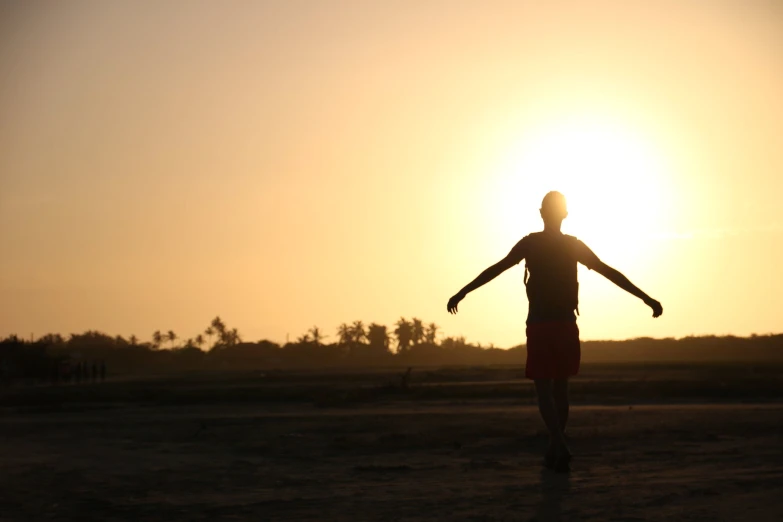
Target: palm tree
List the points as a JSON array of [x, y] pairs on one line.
[[199, 341], [220, 328], [218, 324], [157, 338], [417, 331], [317, 336], [359, 334], [172, 337], [345, 334], [304, 339], [209, 333], [133, 340], [404, 333], [378, 337], [233, 337], [431, 334]]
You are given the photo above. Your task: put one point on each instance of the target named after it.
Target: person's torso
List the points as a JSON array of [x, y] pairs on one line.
[[552, 287]]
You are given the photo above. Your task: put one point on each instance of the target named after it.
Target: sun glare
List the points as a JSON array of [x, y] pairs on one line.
[[611, 177]]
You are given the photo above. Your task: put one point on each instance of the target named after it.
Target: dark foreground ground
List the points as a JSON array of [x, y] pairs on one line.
[[106, 452]]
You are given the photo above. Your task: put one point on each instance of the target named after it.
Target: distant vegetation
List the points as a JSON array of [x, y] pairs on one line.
[[409, 343]]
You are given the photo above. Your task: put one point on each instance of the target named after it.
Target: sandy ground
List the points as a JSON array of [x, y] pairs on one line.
[[465, 461]]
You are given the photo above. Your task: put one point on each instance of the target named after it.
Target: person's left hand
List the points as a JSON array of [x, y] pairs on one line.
[[453, 302]]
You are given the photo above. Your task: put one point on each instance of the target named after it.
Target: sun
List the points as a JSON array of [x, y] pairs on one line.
[[612, 178]]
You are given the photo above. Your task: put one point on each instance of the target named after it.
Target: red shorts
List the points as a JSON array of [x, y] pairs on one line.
[[553, 350]]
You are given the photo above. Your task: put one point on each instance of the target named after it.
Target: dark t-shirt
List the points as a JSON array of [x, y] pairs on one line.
[[552, 288]]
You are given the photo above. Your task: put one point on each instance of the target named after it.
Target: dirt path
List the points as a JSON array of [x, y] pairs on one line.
[[395, 462]]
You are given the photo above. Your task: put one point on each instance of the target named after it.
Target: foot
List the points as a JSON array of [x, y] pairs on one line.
[[562, 463], [557, 459], [565, 453], [550, 457]]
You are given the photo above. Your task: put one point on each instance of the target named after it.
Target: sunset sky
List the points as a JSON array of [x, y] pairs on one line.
[[293, 163]]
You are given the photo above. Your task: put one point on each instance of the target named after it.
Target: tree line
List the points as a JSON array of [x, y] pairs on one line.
[[406, 343], [219, 347]]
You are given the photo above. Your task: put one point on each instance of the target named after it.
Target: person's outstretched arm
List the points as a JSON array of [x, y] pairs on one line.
[[586, 256], [514, 257], [620, 280]]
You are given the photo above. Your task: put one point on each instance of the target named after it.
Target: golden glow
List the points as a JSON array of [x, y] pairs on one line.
[[613, 179]]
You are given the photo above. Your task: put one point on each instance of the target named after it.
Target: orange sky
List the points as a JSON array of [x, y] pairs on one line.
[[295, 163]]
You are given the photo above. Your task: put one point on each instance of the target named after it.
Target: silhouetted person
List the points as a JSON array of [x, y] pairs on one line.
[[103, 371], [94, 376], [553, 350], [78, 373]]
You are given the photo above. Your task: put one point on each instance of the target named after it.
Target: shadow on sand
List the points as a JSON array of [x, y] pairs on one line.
[[554, 489]]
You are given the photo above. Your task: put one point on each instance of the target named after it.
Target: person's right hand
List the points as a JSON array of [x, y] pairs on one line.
[[453, 302], [655, 305]]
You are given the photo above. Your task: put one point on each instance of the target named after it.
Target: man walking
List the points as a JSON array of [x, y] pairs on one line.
[[553, 351]]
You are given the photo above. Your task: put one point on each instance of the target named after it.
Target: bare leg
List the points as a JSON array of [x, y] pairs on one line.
[[546, 406], [560, 396], [557, 455]]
